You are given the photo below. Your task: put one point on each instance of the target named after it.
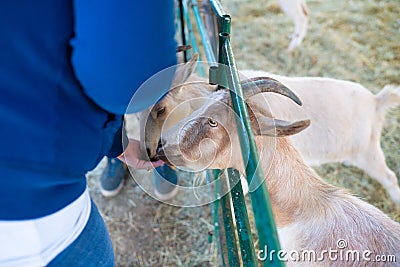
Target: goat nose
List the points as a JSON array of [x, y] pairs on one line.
[[160, 145]]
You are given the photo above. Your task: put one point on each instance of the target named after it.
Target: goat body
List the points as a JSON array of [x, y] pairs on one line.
[[310, 214], [315, 216], [347, 122]]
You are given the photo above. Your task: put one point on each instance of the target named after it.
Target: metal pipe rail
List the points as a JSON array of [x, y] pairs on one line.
[[225, 75]]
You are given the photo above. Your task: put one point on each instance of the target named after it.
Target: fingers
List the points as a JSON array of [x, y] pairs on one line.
[[131, 157], [158, 163], [140, 164], [148, 164]]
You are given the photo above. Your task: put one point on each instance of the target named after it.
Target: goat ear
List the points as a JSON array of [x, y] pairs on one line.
[[183, 72], [277, 128]]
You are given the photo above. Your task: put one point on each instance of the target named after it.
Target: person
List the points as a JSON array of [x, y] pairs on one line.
[[67, 72]]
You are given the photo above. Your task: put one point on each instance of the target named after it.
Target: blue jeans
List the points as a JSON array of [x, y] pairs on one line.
[[93, 246]]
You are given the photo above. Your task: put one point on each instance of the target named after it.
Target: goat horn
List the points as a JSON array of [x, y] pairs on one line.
[[265, 84], [182, 48]]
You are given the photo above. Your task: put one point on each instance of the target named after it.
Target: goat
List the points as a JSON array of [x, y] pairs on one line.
[[347, 119], [310, 214], [298, 12]]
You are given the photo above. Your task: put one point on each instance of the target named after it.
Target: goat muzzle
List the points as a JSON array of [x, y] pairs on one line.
[[160, 154]]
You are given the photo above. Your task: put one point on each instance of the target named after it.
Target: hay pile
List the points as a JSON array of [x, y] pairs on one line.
[[352, 40]]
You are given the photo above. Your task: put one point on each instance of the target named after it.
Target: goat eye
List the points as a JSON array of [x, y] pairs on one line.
[[160, 110], [212, 122]]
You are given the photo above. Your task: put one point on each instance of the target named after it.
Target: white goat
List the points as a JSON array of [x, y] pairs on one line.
[[310, 214], [297, 11], [347, 119]]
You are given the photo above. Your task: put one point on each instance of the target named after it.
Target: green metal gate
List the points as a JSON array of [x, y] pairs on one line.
[[235, 240]]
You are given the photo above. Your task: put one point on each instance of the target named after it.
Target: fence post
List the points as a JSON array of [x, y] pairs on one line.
[[227, 77]]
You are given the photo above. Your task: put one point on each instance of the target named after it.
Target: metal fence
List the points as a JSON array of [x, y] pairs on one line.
[[232, 228]]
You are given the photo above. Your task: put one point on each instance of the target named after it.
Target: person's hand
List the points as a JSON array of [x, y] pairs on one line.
[[131, 157]]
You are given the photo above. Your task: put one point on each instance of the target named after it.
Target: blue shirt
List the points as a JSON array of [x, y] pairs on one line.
[[68, 70]]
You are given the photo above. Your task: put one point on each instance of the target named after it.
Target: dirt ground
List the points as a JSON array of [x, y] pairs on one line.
[[353, 40]]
